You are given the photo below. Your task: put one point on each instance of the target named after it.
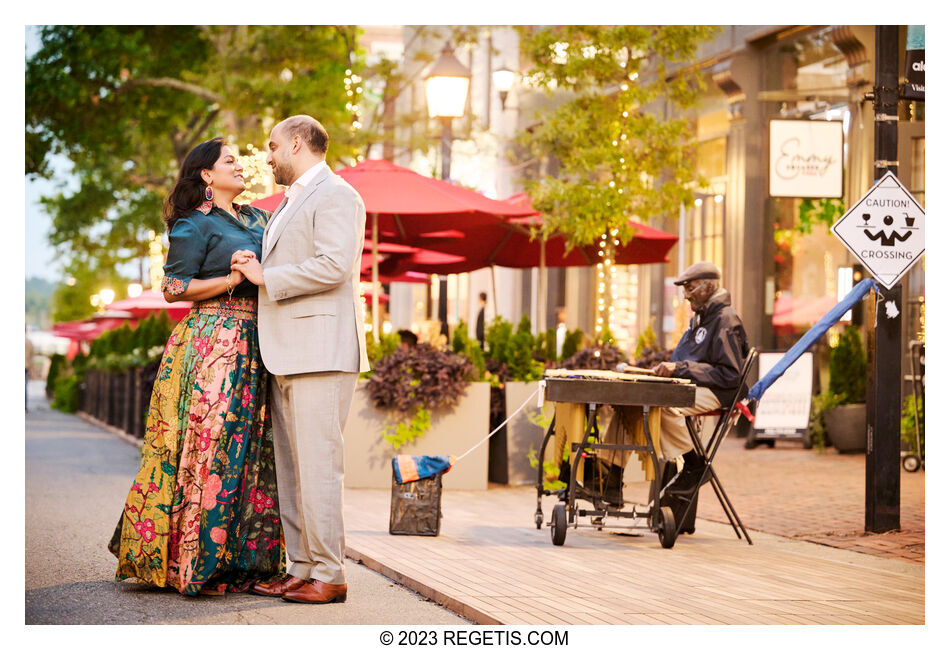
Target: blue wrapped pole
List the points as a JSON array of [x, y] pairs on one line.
[[808, 339]]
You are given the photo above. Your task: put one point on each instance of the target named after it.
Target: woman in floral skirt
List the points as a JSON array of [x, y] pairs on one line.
[[202, 514]]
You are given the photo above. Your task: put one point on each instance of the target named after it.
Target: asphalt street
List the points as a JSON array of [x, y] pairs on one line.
[[77, 477]]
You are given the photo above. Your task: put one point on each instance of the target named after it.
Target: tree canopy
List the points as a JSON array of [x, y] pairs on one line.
[[620, 141]]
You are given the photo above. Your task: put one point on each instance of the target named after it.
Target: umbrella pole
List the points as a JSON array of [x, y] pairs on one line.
[[375, 297], [542, 289], [494, 296]]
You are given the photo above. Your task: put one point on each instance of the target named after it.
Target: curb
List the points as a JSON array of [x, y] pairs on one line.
[[116, 431], [452, 604]]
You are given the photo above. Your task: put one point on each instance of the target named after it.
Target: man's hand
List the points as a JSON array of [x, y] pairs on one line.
[[662, 369], [251, 269], [242, 256]]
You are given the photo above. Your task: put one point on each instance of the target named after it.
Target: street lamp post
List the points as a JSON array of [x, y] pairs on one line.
[[503, 79], [446, 91]]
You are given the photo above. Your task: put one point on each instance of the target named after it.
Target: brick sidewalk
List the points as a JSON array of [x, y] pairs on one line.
[[799, 493]]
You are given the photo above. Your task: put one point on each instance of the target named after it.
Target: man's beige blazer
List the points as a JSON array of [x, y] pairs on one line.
[[310, 313]]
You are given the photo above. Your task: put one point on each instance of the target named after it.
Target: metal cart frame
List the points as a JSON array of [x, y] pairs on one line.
[[595, 393]]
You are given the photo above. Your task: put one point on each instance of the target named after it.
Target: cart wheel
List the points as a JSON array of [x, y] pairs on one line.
[[750, 442], [559, 525], [538, 519], [667, 527], [807, 441], [911, 462]]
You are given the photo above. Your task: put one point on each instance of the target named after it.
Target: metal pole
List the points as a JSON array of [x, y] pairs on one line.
[[543, 289], [882, 464], [446, 174], [375, 297]]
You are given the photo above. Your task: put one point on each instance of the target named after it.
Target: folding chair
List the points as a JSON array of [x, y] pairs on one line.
[[727, 419]]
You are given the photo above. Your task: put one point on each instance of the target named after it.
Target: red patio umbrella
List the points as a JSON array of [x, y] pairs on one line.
[[509, 244], [152, 301], [402, 205]]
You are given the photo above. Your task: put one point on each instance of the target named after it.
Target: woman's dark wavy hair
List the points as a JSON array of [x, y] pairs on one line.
[[189, 190]]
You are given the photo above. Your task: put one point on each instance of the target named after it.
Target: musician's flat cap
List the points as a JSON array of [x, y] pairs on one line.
[[699, 271]]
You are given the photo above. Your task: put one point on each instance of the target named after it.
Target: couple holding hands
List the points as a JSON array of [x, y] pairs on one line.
[[243, 448]]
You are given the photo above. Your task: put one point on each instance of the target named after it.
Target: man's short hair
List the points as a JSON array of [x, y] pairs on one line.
[[483, 296], [309, 130]]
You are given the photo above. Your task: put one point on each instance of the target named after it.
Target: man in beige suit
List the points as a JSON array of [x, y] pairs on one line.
[[310, 321]]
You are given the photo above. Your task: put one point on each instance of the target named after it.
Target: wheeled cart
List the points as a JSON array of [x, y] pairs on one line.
[[606, 502]]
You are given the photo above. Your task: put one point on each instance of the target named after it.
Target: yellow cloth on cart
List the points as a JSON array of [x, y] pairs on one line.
[[570, 421], [626, 427]]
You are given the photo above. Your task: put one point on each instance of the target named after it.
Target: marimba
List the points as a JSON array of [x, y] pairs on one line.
[[595, 388]]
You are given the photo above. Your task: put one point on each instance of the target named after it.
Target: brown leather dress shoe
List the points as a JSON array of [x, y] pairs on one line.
[[317, 593], [277, 587]]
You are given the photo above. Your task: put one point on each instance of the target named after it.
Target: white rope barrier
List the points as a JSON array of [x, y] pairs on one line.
[[520, 408]]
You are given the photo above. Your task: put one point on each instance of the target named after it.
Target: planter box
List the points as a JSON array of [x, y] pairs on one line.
[[520, 435], [847, 427], [367, 458]]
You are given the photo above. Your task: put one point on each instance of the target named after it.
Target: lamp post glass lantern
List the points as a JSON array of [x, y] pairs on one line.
[[447, 85], [504, 79]]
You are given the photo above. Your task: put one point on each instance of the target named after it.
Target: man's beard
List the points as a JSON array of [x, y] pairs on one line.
[[282, 175]]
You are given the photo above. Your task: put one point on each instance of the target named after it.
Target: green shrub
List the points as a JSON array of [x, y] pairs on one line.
[[56, 364], [821, 404], [849, 367], [511, 352], [462, 343], [66, 391], [909, 425], [572, 343]]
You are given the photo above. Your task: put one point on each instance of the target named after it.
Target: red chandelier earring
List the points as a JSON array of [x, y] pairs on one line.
[[209, 194]]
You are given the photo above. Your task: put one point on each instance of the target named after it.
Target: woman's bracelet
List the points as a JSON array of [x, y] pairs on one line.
[[230, 288]]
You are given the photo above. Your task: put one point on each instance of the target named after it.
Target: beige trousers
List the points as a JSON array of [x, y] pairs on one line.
[[674, 437], [309, 413], [626, 426]]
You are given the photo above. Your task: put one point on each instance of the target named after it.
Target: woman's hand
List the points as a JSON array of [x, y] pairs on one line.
[[236, 278], [242, 256]]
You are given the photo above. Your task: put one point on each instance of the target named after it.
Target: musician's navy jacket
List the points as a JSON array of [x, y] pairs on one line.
[[712, 350]]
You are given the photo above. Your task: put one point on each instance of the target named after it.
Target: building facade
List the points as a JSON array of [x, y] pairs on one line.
[[754, 75]]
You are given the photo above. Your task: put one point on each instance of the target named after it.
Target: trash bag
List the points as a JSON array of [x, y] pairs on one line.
[[416, 506]]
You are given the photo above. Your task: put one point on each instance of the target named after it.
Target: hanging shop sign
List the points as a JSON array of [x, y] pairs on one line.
[[913, 88], [805, 159], [885, 230]]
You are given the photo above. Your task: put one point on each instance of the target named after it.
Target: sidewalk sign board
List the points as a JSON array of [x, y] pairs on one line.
[[884, 230], [784, 410]]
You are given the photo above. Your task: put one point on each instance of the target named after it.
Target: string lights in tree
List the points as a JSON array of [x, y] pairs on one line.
[[607, 268]]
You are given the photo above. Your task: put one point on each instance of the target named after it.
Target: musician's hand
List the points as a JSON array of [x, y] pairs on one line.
[[664, 369]]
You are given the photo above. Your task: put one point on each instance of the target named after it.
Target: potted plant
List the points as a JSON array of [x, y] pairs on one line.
[[846, 414], [418, 400], [515, 361]]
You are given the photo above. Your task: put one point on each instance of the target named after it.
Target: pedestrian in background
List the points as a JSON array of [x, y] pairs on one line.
[[480, 320]]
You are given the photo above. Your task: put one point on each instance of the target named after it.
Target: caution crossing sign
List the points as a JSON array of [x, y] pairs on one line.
[[885, 230]]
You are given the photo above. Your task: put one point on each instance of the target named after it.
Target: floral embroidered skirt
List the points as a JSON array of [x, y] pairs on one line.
[[202, 513]]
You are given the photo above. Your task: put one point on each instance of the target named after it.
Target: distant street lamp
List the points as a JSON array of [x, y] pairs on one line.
[[134, 290], [446, 92], [106, 297], [504, 79]]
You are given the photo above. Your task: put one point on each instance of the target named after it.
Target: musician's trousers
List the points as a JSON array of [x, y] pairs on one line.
[[674, 437]]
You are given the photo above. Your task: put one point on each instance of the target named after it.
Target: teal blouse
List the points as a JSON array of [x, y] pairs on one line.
[[200, 246]]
